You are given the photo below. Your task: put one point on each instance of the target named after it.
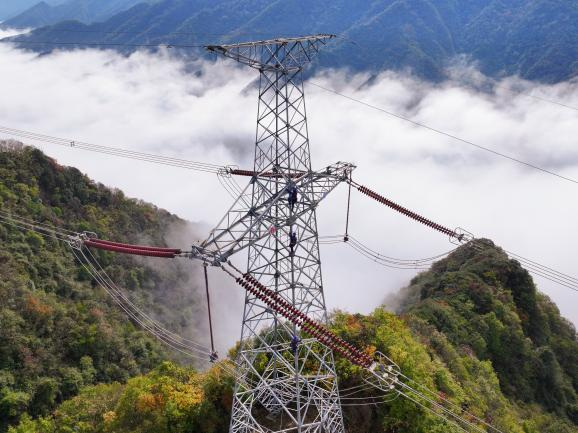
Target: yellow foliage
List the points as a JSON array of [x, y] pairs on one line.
[[353, 324], [36, 307], [370, 350], [109, 417], [187, 396], [149, 402]]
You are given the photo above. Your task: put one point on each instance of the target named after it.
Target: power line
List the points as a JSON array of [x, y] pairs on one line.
[[545, 268], [91, 264], [107, 44], [398, 116], [458, 235], [457, 407], [102, 44], [114, 151], [546, 272], [187, 347], [397, 260], [422, 405], [385, 264], [446, 134], [34, 223], [135, 313], [531, 266], [197, 351], [291, 310], [536, 268], [204, 45], [200, 352], [43, 230], [177, 33], [495, 86], [473, 87], [539, 98]]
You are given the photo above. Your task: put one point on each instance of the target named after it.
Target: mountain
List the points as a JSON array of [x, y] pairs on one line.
[[531, 38], [59, 331], [472, 329], [487, 306], [173, 399], [10, 8], [85, 11]]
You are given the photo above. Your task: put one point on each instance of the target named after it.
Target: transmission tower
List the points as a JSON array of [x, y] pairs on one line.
[[286, 382], [285, 379]]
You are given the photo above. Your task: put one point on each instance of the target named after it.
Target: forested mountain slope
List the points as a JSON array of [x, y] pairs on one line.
[[535, 39], [472, 329], [10, 8], [487, 305], [172, 399], [58, 330], [86, 11]]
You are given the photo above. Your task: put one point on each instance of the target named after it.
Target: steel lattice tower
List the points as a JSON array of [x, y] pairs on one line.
[[282, 385]]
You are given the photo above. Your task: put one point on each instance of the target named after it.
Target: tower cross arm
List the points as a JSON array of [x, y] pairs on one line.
[[281, 54], [244, 225]]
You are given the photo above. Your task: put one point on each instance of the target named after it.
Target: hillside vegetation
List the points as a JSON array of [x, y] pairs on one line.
[[86, 11], [173, 399], [11, 8], [58, 330], [473, 329], [535, 39], [487, 305]]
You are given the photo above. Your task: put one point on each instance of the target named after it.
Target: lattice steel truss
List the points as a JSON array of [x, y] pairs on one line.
[[288, 382]]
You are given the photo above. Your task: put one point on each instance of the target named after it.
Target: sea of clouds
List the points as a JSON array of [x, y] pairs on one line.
[[206, 111]]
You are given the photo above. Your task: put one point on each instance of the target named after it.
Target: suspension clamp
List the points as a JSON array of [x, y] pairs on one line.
[[461, 236], [206, 256]]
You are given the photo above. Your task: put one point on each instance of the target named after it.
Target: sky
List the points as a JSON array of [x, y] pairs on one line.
[[206, 111]]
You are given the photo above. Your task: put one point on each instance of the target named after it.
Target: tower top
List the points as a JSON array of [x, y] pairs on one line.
[[283, 55]]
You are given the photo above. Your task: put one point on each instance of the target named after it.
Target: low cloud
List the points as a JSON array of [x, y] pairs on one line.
[[151, 102], [6, 33]]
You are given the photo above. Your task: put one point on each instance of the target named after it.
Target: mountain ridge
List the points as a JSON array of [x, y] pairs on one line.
[[530, 38], [473, 329], [486, 303], [84, 11], [58, 330], [11, 8]]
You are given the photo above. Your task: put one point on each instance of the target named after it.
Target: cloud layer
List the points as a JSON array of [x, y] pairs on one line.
[[206, 112]]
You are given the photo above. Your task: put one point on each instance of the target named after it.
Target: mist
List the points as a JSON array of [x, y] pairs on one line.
[[181, 293], [206, 111]]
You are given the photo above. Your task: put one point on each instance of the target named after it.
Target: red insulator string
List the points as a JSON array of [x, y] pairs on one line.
[[277, 303], [406, 212], [132, 251], [239, 172], [250, 173], [137, 247]]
